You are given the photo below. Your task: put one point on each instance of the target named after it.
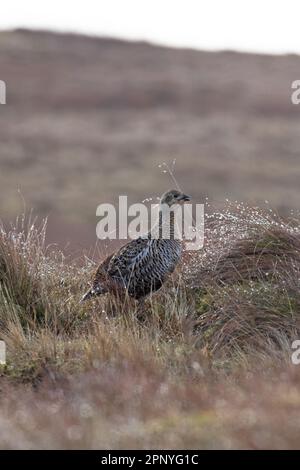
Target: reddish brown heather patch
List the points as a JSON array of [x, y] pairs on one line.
[[133, 406]]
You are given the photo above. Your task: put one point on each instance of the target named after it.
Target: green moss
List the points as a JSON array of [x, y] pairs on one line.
[[203, 302]]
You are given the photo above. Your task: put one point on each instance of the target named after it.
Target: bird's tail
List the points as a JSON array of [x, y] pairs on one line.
[[92, 292]]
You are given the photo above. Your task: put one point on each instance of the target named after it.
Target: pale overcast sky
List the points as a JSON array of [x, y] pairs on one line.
[[248, 25]]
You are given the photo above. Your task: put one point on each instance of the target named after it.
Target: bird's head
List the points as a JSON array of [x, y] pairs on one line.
[[174, 197]]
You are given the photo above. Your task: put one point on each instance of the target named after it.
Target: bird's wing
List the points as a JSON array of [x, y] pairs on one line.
[[129, 257]]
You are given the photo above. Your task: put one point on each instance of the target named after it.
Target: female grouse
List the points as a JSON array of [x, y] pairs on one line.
[[142, 265]]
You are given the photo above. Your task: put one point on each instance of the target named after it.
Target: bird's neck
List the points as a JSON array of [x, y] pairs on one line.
[[165, 228]]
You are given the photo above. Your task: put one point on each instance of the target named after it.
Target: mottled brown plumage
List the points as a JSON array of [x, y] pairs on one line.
[[142, 265]]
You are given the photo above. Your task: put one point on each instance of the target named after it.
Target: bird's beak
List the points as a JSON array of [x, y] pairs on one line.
[[185, 198]]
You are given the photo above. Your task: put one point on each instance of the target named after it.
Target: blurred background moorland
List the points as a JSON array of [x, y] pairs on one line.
[[90, 118], [209, 361]]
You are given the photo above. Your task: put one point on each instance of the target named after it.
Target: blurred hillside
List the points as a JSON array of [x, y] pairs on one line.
[[88, 119]]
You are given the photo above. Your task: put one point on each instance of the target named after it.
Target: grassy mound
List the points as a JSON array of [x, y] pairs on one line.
[[245, 284]]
